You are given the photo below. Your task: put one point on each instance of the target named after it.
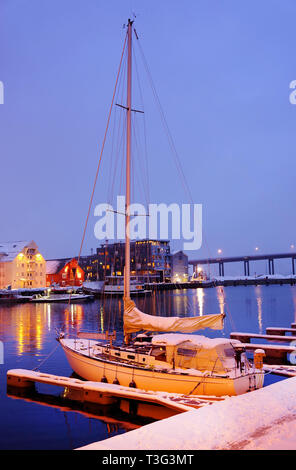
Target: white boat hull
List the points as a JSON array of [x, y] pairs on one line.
[[63, 298], [95, 369]]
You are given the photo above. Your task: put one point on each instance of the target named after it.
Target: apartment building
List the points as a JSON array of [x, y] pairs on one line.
[[21, 265]]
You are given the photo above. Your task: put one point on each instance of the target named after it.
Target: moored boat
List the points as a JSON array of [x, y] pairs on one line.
[[64, 298], [175, 361], [114, 285]]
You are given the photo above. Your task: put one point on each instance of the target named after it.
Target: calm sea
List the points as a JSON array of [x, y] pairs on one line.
[[43, 420]]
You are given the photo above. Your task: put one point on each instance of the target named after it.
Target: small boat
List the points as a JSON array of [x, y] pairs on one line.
[[173, 361], [65, 298], [114, 285]]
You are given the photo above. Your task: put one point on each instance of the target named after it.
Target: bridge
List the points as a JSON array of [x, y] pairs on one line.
[[246, 260]]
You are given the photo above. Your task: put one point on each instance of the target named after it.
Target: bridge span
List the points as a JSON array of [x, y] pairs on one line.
[[246, 260]]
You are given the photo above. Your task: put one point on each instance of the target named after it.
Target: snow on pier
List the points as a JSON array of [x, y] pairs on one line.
[[105, 393], [262, 419]]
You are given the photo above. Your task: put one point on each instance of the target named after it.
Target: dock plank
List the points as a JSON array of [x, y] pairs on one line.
[[246, 337], [274, 353], [274, 330], [95, 391]]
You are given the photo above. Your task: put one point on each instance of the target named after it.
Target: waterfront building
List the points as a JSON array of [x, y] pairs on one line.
[[21, 265], [64, 272], [150, 260], [179, 271]]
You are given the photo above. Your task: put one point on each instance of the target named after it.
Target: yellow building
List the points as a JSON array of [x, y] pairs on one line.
[[21, 265]]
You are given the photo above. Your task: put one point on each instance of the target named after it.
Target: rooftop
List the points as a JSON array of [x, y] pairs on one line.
[[9, 250]]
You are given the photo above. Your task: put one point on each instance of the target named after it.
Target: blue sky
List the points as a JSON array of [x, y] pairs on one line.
[[222, 70]]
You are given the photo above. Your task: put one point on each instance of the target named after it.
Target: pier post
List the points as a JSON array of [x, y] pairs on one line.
[[221, 269], [293, 266], [246, 268], [271, 266]]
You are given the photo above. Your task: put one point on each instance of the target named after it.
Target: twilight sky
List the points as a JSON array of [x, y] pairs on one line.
[[222, 70]]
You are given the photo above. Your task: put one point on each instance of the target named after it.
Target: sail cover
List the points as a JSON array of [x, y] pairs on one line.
[[135, 320]]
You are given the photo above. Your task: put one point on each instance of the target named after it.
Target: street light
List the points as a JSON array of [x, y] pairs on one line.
[[219, 251], [256, 249]]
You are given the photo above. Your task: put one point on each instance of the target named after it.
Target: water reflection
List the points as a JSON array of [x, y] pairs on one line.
[[258, 295], [29, 324], [48, 310], [221, 299], [200, 300], [74, 315], [26, 325]]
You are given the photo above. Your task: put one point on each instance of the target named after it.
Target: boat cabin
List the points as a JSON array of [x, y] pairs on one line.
[[184, 352], [194, 352]]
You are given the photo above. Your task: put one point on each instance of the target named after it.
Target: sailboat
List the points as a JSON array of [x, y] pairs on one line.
[[174, 360]]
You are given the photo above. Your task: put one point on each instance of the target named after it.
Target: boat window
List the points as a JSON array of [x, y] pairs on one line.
[[186, 352], [130, 356], [159, 353], [229, 352]]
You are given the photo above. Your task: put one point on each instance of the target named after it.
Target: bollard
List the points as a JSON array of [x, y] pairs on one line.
[[258, 358]]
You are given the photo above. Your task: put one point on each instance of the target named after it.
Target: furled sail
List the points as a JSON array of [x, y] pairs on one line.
[[135, 320]]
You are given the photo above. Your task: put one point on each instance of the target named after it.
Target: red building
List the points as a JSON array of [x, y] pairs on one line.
[[64, 272]]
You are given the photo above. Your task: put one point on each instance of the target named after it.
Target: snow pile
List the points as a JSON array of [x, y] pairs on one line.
[[261, 418]]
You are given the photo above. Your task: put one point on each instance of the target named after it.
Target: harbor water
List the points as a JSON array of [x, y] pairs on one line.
[[44, 420]]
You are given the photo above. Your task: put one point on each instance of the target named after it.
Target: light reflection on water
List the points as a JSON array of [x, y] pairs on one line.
[[28, 332], [258, 294], [200, 299]]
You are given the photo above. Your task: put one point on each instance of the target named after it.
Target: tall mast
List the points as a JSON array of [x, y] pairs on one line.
[[128, 164]]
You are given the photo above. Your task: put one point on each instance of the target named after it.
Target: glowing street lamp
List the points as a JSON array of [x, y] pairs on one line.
[[219, 251], [257, 248], [292, 246]]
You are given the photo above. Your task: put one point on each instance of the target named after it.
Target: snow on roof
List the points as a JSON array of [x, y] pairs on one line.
[[9, 250], [173, 339], [53, 266]]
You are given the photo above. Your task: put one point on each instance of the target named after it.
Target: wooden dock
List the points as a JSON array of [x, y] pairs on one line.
[[104, 393], [275, 353], [286, 371], [246, 337], [271, 330]]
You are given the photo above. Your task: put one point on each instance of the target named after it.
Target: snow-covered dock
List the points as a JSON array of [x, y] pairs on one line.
[[286, 371], [246, 337], [262, 419], [274, 353], [104, 393]]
